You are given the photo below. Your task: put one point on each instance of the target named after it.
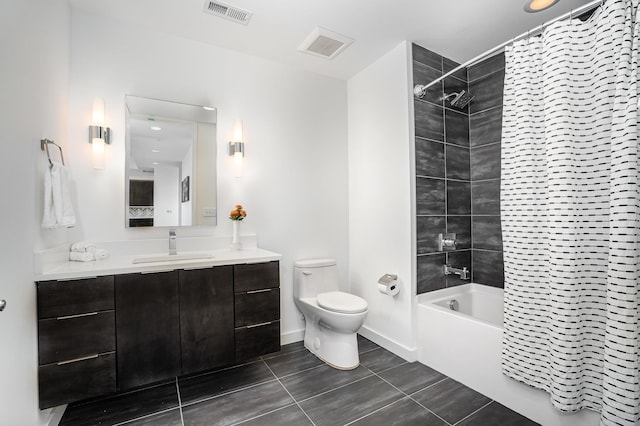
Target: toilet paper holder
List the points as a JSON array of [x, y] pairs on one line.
[[387, 279]]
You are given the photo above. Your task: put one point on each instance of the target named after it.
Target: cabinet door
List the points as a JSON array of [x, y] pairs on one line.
[[147, 328], [206, 318], [256, 276]]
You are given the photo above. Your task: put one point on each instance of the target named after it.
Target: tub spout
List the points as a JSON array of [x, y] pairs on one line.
[[464, 272]]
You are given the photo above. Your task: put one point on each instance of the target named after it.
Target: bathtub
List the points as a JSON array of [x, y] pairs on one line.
[[466, 345]]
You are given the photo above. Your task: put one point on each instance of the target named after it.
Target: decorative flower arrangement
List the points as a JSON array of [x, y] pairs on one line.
[[238, 213]]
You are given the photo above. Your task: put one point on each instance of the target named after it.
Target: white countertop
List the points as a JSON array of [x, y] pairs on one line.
[[124, 264]]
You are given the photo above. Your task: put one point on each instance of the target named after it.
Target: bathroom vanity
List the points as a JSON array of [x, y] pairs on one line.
[[110, 326]]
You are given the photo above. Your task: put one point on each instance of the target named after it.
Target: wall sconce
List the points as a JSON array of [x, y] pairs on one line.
[[98, 134], [236, 148]]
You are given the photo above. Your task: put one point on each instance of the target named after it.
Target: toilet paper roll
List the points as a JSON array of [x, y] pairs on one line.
[[390, 289]]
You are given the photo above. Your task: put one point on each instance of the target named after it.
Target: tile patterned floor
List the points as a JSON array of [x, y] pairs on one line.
[[293, 387]]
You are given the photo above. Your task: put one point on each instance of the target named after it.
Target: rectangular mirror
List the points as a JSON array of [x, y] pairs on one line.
[[170, 166]]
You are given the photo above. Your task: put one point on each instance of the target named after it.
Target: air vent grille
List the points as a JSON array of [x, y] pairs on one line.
[[324, 43], [226, 11]]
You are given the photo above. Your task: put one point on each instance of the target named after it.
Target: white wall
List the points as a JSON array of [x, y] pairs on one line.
[[294, 186], [380, 196], [34, 41]]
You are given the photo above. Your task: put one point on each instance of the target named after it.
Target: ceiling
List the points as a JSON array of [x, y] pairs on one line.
[[457, 29]]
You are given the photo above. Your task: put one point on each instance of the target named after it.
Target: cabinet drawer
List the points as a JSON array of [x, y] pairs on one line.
[[70, 338], [256, 276], [62, 298], [257, 340], [61, 384], [257, 306]]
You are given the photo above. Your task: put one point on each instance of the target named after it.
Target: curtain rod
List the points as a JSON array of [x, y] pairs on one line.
[[420, 89]]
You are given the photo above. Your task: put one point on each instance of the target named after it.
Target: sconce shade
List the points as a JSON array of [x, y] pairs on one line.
[[98, 134], [98, 154], [236, 148]]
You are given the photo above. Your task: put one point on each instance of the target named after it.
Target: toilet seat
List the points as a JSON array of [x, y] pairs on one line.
[[338, 301]]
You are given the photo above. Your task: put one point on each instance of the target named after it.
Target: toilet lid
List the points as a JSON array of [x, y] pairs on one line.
[[338, 301]]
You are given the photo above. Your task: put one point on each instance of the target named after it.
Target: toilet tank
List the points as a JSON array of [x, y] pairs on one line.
[[313, 276]]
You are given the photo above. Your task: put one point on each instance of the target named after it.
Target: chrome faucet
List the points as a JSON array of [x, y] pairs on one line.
[[172, 242], [464, 272]]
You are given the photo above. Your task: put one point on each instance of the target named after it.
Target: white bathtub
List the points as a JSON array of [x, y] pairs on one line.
[[466, 345]]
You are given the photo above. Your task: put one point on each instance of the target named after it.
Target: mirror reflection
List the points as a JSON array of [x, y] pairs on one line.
[[170, 163]]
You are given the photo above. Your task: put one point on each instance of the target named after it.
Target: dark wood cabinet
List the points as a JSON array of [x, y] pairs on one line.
[[100, 335], [257, 309], [206, 318], [76, 340], [140, 192], [147, 328]]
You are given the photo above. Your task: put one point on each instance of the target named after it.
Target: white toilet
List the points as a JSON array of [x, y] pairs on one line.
[[332, 317]]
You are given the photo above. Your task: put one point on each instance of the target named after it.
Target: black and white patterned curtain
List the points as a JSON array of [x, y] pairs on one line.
[[570, 208]]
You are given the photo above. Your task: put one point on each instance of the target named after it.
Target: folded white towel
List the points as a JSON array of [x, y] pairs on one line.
[[81, 257], [101, 254], [58, 210], [83, 246]]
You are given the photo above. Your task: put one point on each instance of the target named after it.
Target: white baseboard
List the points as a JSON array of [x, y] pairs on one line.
[[292, 337], [409, 354]]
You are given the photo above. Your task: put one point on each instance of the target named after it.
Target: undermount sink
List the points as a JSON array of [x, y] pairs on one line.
[[172, 257]]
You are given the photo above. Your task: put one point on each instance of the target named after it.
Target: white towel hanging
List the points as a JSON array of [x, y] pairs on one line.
[[58, 209]]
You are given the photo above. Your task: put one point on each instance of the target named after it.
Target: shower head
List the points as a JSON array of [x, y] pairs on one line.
[[460, 99]]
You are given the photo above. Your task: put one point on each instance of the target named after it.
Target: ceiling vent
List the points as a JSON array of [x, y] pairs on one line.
[[324, 43], [226, 11]]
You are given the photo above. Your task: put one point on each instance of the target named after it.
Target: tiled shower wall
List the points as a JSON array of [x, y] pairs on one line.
[[458, 171]]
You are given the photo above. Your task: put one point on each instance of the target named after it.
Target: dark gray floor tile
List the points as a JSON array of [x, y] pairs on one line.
[[423, 75], [427, 230], [431, 272], [122, 408], [320, 379], [459, 259], [293, 363], [456, 127], [237, 406], [486, 197], [485, 127], [426, 57], [207, 385], [488, 268], [168, 418], [487, 233], [429, 120], [461, 226], [365, 345], [496, 414], [380, 359], [451, 400], [429, 158], [457, 162], [350, 402], [485, 162], [289, 416], [412, 376], [291, 347], [458, 197], [402, 413], [430, 196]]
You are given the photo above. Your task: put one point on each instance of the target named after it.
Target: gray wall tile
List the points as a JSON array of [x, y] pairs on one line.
[[448, 65], [455, 85], [487, 66], [486, 197], [485, 127], [488, 268], [430, 196], [457, 162], [485, 162], [457, 127], [458, 197], [429, 158], [423, 74], [458, 259], [429, 120], [487, 91], [431, 272], [427, 230], [426, 57], [461, 226], [487, 233]]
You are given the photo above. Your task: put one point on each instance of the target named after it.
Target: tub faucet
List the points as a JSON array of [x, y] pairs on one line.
[[172, 242], [464, 272]]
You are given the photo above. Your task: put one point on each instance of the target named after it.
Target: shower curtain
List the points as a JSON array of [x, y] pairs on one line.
[[570, 213]]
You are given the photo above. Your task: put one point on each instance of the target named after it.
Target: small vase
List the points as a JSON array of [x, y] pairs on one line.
[[235, 242]]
